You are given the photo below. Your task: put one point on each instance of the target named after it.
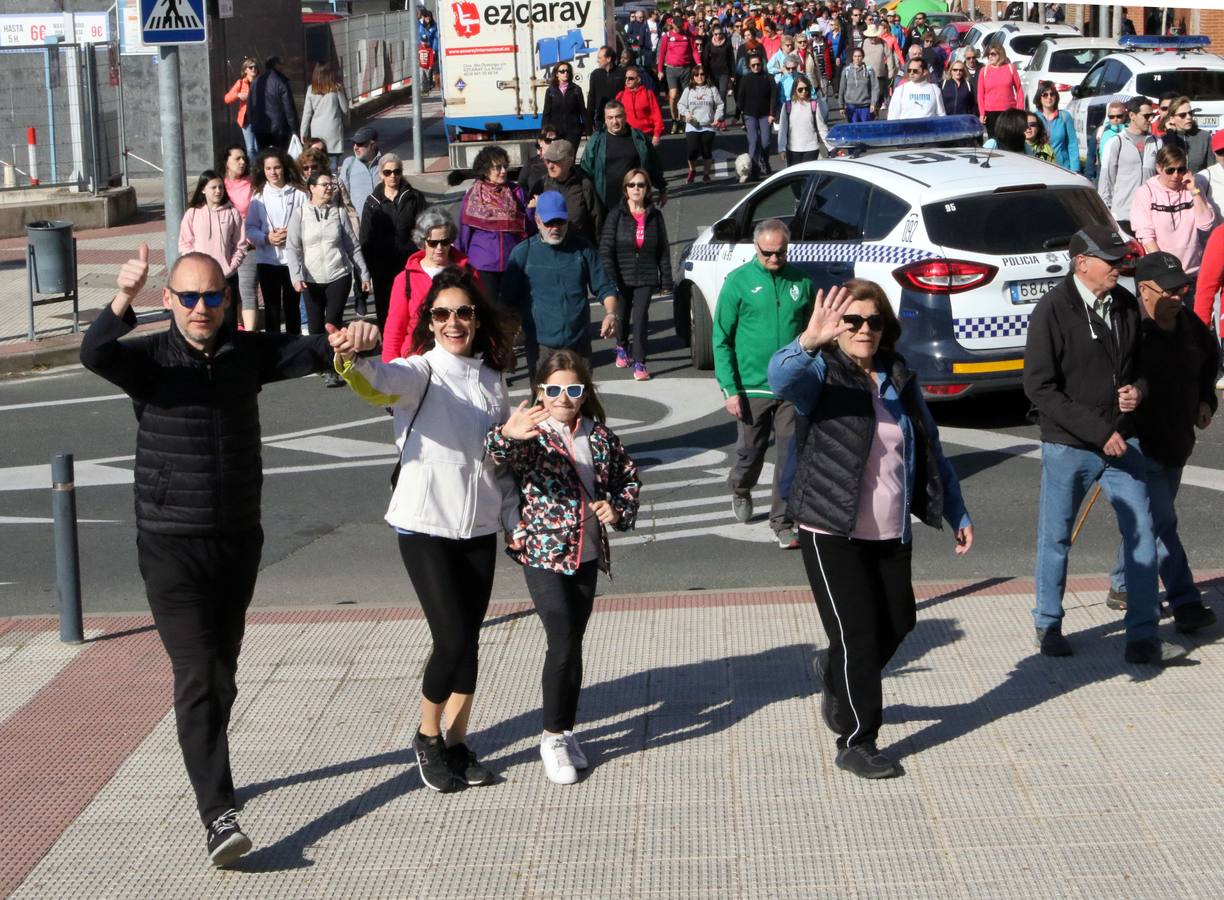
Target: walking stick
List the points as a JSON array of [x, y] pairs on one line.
[[1084, 515]]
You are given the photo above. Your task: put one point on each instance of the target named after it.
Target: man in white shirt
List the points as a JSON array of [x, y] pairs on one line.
[[916, 97], [1215, 173]]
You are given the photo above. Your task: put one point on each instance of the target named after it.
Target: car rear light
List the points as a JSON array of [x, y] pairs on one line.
[[1062, 87], [1134, 250], [944, 276], [944, 390]]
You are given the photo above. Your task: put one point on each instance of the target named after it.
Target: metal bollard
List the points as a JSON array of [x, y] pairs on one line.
[[67, 558]]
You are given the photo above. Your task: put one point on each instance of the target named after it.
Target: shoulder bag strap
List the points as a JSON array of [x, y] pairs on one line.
[[399, 462]]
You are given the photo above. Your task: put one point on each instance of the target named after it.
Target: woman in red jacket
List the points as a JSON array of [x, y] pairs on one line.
[[998, 87], [435, 234], [641, 106]]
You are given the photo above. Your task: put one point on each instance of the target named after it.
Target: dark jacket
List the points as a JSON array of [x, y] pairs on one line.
[[270, 107], [959, 99], [604, 86], [198, 466], [1196, 143], [582, 202], [1181, 367], [625, 262], [1074, 364], [756, 95], [595, 161], [549, 286], [386, 229], [567, 112], [532, 175], [718, 60]]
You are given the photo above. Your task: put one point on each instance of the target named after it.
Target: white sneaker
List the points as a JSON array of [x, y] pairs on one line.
[[554, 750], [575, 751], [1220, 383]]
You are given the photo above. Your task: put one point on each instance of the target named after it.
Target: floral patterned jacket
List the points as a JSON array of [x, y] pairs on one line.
[[552, 496]]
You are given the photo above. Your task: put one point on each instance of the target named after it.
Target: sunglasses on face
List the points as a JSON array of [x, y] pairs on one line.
[[390, 172], [1029, 126], [547, 140], [1117, 117], [464, 313], [439, 242], [1175, 170], [1164, 109], [212, 299], [1183, 115], [573, 391], [770, 254], [641, 185], [563, 72], [632, 80], [875, 322], [801, 90], [1049, 93], [914, 71]]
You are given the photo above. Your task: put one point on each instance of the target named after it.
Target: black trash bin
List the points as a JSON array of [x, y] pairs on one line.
[[51, 256]]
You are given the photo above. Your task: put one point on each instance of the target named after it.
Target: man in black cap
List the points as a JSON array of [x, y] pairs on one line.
[[358, 177], [1082, 374], [1180, 359]]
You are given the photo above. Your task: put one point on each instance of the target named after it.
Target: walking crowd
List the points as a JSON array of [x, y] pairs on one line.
[[1119, 383]]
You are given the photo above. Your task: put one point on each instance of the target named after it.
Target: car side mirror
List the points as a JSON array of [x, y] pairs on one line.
[[1077, 91], [726, 231]]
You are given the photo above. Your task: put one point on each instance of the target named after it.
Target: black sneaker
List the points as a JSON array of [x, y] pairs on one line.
[[1116, 599], [828, 703], [865, 761], [1193, 616], [1153, 652], [464, 766], [432, 763], [225, 840], [1052, 643]]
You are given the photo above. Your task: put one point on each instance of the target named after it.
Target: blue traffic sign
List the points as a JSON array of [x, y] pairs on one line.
[[173, 22]]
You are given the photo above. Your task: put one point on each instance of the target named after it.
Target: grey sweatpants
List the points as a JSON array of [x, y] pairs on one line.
[[763, 416]]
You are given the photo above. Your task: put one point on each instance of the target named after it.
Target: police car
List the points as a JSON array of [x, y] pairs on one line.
[[964, 241], [1064, 61], [1151, 66]]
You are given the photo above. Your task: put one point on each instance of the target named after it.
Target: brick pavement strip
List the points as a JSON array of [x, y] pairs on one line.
[[712, 774]]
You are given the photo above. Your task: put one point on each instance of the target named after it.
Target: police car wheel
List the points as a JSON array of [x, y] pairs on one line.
[[701, 345], [680, 312]]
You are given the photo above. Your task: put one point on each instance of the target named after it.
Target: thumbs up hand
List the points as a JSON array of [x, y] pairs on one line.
[[131, 280]]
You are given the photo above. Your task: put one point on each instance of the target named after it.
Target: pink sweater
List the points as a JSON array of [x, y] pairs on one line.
[[218, 233], [1176, 227], [999, 88], [239, 192]]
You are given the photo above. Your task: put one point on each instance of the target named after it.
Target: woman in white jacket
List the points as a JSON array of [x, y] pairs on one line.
[[448, 499], [277, 195], [326, 111], [701, 109]]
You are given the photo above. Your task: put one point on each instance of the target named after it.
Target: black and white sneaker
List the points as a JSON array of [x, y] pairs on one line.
[[865, 761], [466, 767], [225, 840], [433, 764]]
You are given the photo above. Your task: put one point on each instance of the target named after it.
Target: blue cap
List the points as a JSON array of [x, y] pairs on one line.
[[551, 206]]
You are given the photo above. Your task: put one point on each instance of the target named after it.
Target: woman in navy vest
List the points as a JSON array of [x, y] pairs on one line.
[[869, 457]]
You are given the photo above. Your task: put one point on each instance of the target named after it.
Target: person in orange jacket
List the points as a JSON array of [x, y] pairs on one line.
[[238, 94], [641, 106]]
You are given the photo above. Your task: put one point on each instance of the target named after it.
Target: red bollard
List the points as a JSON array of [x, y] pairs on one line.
[[32, 143]]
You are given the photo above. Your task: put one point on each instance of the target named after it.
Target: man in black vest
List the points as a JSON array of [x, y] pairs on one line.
[[198, 477]]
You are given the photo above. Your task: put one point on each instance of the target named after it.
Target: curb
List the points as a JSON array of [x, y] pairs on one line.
[[62, 350]]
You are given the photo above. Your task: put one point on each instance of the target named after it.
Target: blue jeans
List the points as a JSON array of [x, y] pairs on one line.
[[759, 134], [856, 113], [252, 147], [1066, 475], [1163, 483]]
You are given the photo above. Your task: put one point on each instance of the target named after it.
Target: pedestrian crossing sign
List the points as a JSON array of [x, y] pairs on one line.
[[173, 22]]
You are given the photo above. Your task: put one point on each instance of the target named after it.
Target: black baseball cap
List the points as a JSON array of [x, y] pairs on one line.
[[1100, 241], [1163, 268]]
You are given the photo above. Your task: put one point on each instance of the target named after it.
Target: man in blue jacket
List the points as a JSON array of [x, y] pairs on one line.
[[548, 279], [272, 111]]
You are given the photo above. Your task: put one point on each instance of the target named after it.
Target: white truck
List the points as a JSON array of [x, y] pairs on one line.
[[496, 60]]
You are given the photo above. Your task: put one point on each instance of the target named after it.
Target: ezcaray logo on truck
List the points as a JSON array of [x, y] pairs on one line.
[[468, 16]]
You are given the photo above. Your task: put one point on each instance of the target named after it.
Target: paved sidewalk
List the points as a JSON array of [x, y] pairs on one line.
[[712, 775]]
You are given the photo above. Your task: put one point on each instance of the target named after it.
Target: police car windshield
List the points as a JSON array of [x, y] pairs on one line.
[[1028, 221], [1201, 84], [1077, 60]]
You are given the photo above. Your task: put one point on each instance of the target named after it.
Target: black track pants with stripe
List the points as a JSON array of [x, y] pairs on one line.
[[865, 595]]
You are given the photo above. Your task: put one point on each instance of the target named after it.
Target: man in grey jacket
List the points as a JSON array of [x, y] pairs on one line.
[[1128, 161]]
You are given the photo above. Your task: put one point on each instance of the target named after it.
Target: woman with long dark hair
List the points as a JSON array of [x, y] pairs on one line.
[[1058, 127], [870, 457], [211, 225], [326, 111], [701, 110], [493, 218], [449, 497], [564, 105], [236, 171], [278, 194]]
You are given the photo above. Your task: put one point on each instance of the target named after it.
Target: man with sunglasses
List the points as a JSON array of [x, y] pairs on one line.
[[1082, 374], [582, 200], [1114, 124], [359, 174], [763, 306], [198, 475], [1128, 161], [916, 97], [1181, 359]]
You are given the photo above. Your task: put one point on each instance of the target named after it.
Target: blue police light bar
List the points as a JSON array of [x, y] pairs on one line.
[[905, 132], [1164, 42]]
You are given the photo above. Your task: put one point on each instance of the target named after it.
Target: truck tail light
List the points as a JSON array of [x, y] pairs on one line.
[[944, 276]]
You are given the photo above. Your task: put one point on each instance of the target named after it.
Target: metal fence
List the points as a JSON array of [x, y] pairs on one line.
[[372, 53], [61, 116]]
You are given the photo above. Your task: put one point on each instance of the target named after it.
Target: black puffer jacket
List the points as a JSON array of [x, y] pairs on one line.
[[199, 471], [834, 443], [628, 264], [386, 229], [567, 112]]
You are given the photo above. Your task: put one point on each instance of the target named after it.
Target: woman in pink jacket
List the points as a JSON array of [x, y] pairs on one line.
[[998, 87], [212, 226], [641, 106], [1172, 211]]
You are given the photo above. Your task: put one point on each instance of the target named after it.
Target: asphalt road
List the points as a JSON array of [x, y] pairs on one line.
[[327, 458]]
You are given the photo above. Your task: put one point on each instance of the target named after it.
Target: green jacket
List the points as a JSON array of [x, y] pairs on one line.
[[758, 313], [595, 159]]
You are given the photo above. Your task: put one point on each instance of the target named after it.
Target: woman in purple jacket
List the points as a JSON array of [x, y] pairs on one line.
[[493, 218]]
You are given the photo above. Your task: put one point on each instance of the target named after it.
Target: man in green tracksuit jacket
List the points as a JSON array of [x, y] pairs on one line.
[[763, 306]]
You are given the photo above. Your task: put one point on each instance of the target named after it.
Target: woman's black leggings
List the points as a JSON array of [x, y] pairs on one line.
[[453, 579], [564, 604], [700, 145], [281, 301], [325, 303], [865, 596], [633, 318]]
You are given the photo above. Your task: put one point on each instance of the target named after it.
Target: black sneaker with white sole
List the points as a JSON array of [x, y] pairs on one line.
[[433, 764], [225, 840], [466, 767]]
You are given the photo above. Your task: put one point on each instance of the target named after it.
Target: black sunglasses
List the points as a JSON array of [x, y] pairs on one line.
[[440, 242], [393, 171], [875, 322], [212, 299], [573, 391], [771, 253], [464, 313], [1175, 170]]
